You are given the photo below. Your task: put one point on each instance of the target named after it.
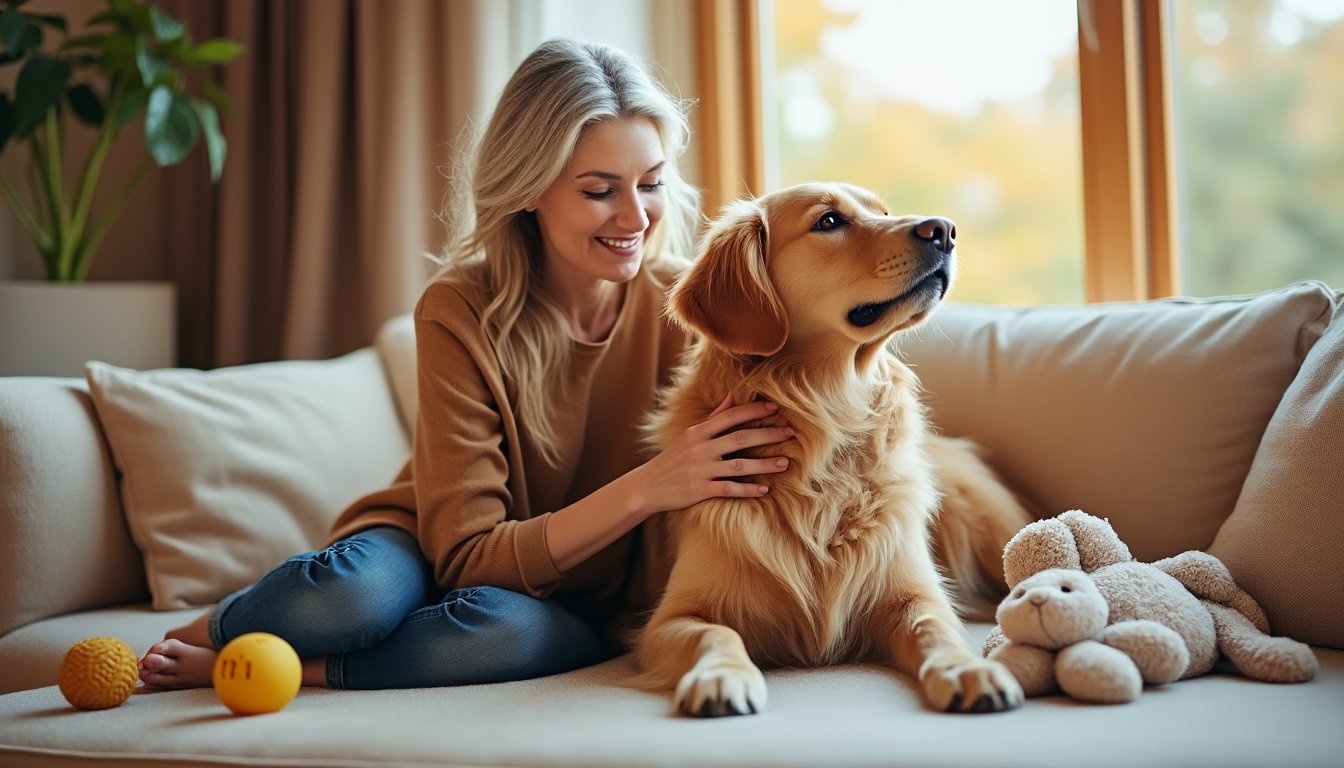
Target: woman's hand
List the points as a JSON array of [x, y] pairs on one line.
[[693, 468], [687, 472]]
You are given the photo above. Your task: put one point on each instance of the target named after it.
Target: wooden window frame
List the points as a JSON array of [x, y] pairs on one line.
[[1129, 172], [729, 131], [1129, 183]]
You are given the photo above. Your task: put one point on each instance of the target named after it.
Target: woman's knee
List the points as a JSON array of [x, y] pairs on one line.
[[365, 584], [361, 577]]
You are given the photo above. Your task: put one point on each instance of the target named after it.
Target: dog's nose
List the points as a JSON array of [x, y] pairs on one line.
[[939, 231]]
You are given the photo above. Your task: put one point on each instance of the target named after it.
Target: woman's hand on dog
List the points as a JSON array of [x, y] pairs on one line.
[[699, 465], [690, 470]]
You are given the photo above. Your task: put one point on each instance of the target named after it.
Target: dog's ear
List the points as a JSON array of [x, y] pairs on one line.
[[727, 296]]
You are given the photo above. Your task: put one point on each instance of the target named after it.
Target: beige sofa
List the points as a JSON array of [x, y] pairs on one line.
[[1190, 424]]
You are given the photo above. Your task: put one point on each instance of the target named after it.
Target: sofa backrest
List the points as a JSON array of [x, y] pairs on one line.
[[65, 541], [395, 343], [64, 545], [1151, 414]]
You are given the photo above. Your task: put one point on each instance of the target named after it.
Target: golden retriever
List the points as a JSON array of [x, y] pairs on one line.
[[793, 300]]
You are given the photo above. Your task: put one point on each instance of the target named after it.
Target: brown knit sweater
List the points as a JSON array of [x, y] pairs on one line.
[[476, 493]]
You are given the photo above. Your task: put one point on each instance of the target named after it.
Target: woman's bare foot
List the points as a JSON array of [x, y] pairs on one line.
[[185, 658], [173, 664]]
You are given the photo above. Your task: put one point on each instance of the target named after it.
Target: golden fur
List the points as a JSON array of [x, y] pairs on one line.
[[793, 301]]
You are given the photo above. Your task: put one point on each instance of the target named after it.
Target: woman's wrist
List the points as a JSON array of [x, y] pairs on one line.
[[632, 499]]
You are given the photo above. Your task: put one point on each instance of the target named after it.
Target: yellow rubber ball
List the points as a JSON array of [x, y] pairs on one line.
[[98, 673], [257, 673]]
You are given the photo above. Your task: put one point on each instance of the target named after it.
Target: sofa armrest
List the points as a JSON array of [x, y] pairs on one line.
[[63, 540]]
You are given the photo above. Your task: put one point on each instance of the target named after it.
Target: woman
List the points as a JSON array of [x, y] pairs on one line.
[[511, 545]]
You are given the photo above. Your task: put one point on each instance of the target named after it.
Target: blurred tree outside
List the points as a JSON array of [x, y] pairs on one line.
[[1260, 126], [969, 109]]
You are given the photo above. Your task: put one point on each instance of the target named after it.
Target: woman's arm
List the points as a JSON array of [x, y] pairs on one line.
[[462, 493], [689, 471]]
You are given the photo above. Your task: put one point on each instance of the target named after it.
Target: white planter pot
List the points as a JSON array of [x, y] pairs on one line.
[[52, 329]]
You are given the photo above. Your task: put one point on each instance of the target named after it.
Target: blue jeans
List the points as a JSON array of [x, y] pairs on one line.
[[368, 603]]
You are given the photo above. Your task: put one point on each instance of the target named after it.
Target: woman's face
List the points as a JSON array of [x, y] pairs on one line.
[[596, 217]]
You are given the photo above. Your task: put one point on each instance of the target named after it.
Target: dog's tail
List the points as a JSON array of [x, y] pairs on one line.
[[979, 514]]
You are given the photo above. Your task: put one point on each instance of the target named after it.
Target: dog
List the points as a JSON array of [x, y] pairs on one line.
[[793, 299]]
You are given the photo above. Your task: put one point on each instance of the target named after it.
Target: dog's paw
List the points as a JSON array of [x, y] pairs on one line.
[[972, 685], [721, 689]]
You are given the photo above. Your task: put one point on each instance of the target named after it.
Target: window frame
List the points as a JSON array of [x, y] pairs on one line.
[[1129, 183]]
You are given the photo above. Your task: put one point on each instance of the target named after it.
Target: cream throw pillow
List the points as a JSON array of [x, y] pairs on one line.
[[1285, 540], [225, 473], [1146, 413]]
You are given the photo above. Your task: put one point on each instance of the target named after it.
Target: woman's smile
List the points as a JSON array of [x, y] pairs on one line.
[[625, 246]]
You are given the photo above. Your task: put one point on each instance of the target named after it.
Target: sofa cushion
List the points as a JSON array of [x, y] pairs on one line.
[[227, 472], [395, 343], [1146, 413], [30, 656], [847, 715], [1285, 539], [63, 541]]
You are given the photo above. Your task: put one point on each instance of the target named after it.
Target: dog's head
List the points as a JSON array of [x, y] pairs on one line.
[[812, 264]]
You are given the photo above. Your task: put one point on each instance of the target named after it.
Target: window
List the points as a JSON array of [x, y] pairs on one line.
[[1259, 94], [1154, 146], [934, 107]]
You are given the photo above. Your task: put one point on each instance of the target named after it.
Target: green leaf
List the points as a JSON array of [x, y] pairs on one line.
[[215, 145], [139, 19], [166, 28], [132, 16], [148, 61], [171, 126], [83, 41], [106, 17], [39, 89], [18, 34], [56, 22], [119, 51], [6, 120], [88, 107], [131, 105], [220, 50]]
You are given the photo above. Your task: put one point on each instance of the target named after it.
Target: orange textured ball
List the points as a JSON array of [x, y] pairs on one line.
[[98, 673]]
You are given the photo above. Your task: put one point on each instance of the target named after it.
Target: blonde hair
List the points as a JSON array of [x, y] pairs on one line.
[[559, 89]]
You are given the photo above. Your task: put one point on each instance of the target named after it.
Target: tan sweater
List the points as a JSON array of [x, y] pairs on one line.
[[478, 496]]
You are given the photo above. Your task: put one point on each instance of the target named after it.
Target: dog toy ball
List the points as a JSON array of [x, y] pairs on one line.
[[257, 673], [98, 673]]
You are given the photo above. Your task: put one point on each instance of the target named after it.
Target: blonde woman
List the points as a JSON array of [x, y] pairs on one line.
[[523, 533]]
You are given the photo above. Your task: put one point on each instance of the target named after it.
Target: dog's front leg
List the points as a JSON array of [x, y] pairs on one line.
[[713, 673], [927, 644]]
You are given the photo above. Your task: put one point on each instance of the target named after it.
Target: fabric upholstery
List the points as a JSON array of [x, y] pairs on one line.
[[63, 542], [396, 345], [849, 715], [1148, 414], [1285, 539], [225, 473], [30, 656]]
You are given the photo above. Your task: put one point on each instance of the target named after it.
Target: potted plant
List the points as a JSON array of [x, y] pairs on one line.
[[132, 60]]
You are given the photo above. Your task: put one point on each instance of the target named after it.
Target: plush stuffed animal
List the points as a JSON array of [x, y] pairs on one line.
[[1085, 617]]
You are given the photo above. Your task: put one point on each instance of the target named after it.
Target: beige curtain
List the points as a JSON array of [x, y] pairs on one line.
[[345, 114]]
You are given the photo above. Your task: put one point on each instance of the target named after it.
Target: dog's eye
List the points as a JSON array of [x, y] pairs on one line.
[[829, 220]]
